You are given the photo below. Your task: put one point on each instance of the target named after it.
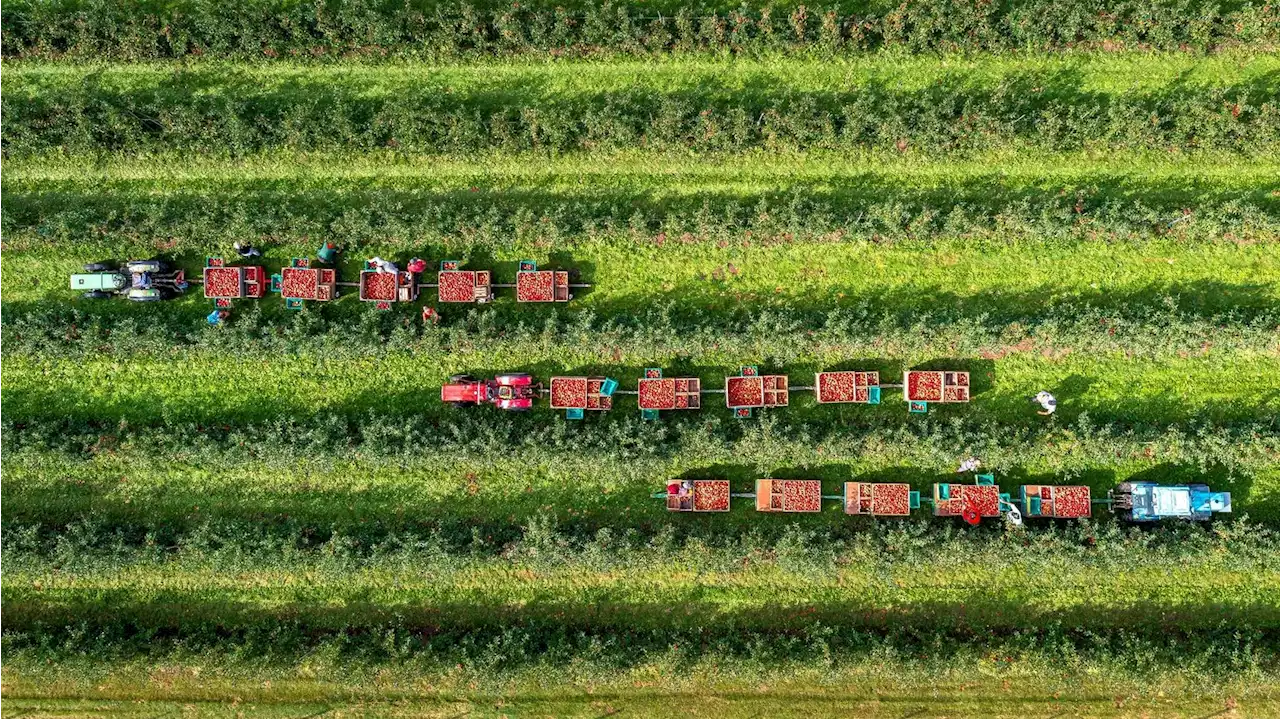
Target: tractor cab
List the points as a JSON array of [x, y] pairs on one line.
[[506, 392], [1151, 502]]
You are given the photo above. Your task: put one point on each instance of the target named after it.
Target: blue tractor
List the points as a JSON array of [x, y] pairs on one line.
[[1151, 502]]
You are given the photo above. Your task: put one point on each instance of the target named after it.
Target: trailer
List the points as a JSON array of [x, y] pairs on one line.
[[1152, 502], [972, 502], [1054, 501], [576, 395], [458, 285], [655, 393], [1132, 501], [385, 288], [750, 391], [300, 282], [534, 285], [920, 388], [788, 495], [223, 282], [880, 499], [847, 387], [698, 495]]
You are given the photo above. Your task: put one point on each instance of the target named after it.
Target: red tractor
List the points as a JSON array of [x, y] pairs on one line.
[[512, 392]]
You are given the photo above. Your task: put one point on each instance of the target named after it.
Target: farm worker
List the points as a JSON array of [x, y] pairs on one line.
[[246, 250], [382, 265], [217, 317], [327, 252], [680, 489], [417, 265], [141, 280], [1047, 401], [969, 465]]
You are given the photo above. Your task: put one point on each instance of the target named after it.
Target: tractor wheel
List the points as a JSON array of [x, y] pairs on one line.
[[519, 409], [96, 267], [463, 405], [511, 378], [459, 378], [96, 295], [139, 266]]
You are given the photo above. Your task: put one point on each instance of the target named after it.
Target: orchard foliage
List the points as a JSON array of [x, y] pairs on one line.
[[1058, 104], [366, 30], [1072, 195]]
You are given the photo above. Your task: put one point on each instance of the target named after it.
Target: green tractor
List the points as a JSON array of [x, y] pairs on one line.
[[137, 280]]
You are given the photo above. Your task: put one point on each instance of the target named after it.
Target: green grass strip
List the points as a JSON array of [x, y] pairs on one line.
[[385, 199], [207, 388], [218, 684], [961, 594], [567, 81]]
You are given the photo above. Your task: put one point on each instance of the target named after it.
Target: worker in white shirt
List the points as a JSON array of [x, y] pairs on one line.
[[969, 465], [1047, 401], [382, 265]]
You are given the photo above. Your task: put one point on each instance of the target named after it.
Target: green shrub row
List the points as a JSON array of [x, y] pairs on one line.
[[367, 29], [234, 111], [229, 547], [545, 653], [204, 217], [1019, 582]]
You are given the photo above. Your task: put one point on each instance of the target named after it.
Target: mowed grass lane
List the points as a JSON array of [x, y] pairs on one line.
[[665, 685], [183, 205], [203, 387], [963, 593], [1002, 280], [973, 698]]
